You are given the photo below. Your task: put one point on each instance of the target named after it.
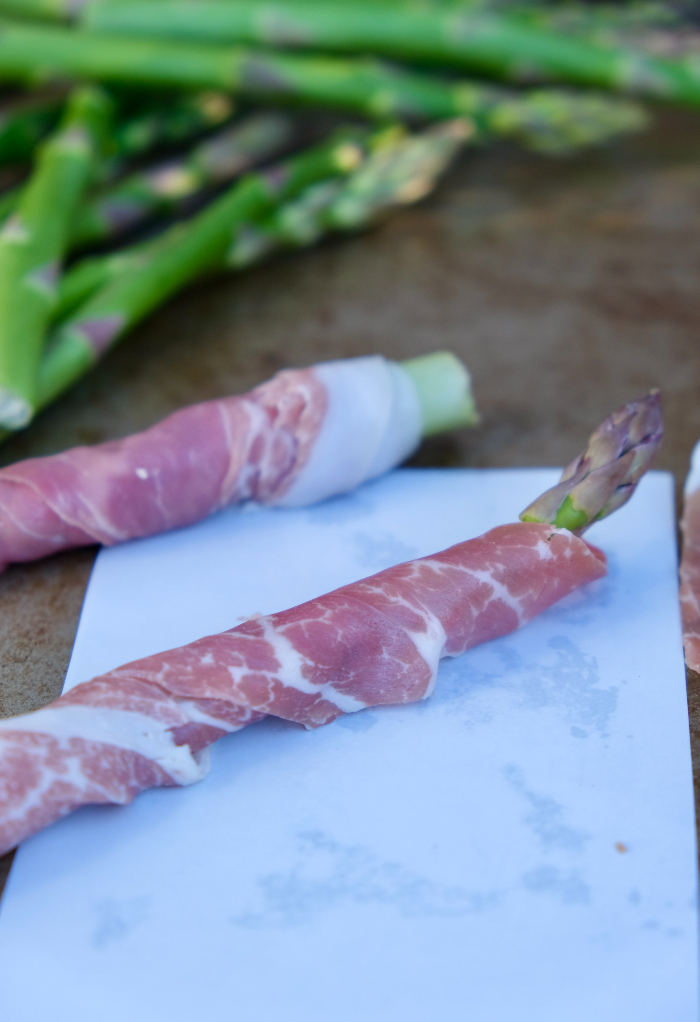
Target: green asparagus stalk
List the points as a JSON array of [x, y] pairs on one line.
[[545, 120], [605, 476], [398, 170], [326, 205], [484, 41], [444, 389], [32, 244], [181, 254], [361, 86], [164, 188], [88, 276], [37, 52]]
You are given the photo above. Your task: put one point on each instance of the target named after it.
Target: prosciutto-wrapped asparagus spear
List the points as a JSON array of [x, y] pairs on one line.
[[690, 564], [374, 642], [305, 435]]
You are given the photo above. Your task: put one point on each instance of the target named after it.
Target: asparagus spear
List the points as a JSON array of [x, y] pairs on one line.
[[605, 476], [398, 171], [162, 189], [179, 255], [484, 41], [362, 86], [325, 206], [33, 241], [545, 120]]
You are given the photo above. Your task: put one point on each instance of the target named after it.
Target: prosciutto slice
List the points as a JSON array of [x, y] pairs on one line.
[[376, 641], [690, 565], [305, 435]]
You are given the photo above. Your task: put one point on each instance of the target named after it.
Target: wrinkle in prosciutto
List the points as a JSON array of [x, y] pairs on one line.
[[377, 641]]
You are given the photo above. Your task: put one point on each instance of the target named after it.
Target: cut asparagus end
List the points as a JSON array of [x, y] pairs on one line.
[[15, 411], [605, 476], [444, 389]]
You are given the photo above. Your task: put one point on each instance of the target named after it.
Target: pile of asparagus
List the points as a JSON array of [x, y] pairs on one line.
[[103, 88]]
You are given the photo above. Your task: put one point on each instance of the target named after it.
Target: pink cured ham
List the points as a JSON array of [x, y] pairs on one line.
[[690, 568], [301, 437], [377, 641], [179, 471]]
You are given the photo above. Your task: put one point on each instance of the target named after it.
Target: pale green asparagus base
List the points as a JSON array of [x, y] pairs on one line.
[[444, 389]]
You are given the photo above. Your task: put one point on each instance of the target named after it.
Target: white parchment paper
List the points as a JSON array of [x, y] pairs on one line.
[[520, 847]]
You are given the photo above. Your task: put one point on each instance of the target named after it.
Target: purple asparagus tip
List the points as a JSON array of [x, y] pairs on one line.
[[605, 476]]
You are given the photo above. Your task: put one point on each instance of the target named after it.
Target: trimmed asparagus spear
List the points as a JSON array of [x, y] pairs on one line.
[[182, 253], [484, 41], [605, 476], [32, 244], [162, 189]]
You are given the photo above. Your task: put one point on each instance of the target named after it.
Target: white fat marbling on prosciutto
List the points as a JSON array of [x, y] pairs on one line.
[[291, 662], [126, 729], [430, 641], [373, 423], [430, 645]]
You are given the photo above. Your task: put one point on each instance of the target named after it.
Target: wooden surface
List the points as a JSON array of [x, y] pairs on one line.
[[567, 286]]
